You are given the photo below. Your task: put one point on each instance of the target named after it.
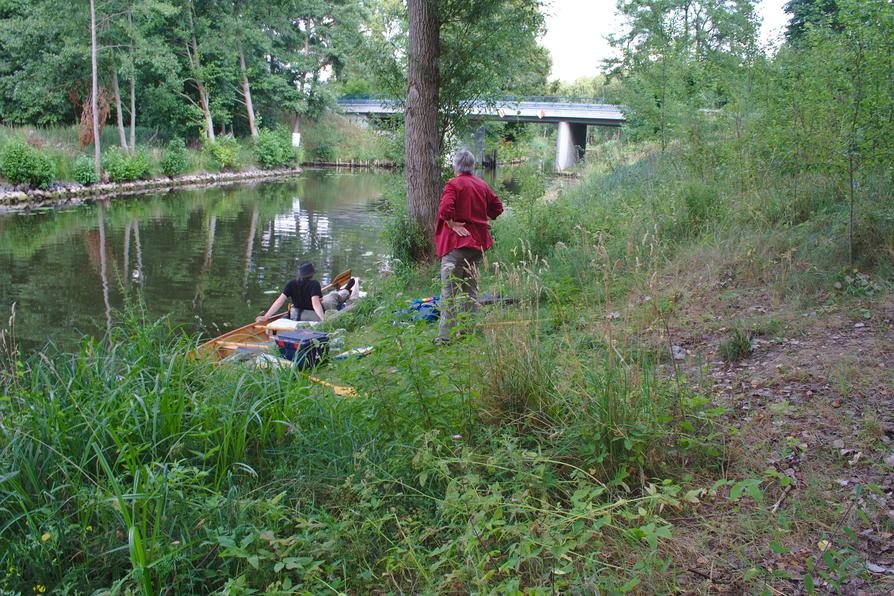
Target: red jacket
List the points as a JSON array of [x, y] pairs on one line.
[[468, 200]]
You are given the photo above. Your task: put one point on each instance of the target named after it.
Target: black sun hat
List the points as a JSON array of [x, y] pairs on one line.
[[306, 270]]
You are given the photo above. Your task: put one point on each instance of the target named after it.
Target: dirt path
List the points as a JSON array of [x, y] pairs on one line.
[[810, 412]]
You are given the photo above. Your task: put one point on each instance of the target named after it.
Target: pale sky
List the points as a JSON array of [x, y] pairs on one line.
[[576, 30]]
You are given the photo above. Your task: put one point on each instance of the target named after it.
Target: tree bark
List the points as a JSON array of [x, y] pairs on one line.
[[246, 93], [133, 115], [196, 64], [133, 92], [119, 116], [97, 151], [421, 138], [203, 97]]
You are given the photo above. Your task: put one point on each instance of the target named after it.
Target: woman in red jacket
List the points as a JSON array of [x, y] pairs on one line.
[[462, 234]]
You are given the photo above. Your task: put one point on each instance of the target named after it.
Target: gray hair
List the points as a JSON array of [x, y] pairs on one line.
[[463, 161]]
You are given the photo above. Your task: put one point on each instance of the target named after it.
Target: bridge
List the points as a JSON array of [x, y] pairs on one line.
[[572, 115]]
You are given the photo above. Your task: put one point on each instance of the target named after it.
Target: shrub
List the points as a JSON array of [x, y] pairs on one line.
[[21, 163], [273, 149], [224, 153], [85, 172], [176, 158], [737, 346], [123, 167]]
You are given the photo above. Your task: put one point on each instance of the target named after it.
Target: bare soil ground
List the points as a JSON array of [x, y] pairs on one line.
[[811, 412]]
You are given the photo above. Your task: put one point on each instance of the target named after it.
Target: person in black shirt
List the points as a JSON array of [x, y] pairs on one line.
[[306, 295]]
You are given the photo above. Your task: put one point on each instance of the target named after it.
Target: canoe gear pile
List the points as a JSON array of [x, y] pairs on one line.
[[422, 309]]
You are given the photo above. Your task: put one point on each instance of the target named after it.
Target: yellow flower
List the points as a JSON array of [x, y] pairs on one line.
[[40, 589], [46, 536]]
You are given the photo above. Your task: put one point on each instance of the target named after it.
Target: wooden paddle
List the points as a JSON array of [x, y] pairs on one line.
[[338, 281]]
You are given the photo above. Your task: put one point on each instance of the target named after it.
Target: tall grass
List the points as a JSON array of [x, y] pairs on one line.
[[130, 465], [541, 453]]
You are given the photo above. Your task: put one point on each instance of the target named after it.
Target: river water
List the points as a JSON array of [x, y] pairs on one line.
[[207, 259]]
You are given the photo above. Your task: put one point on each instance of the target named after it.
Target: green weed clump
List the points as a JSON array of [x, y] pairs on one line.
[[20, 163], [176, 159], [273, 149], [124, 167], [223, 153], [736, 346], [85, 171]]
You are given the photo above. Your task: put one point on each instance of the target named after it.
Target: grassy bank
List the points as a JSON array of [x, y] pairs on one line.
[[53, 155], [590, 438]]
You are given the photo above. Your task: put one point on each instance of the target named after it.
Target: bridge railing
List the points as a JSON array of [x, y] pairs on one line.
[[360, 101]]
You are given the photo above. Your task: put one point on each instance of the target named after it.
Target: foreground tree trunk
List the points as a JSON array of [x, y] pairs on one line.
[[97, 151], [246, 93], [119, 116], [421, 138]]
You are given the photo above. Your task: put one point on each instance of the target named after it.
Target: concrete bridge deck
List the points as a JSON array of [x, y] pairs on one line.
[[572, 116], [546, 110]]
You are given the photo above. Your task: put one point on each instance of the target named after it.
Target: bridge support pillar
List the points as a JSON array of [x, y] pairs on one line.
[[570, 146], [477, 144]]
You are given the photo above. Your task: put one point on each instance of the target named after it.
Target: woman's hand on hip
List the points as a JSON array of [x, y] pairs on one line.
[[458, 227]]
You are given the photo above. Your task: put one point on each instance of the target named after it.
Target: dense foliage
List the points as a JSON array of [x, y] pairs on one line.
[[20, 163], [273, 149], [84, 172], [223, 153], [820, 112], [176, 158], [124, 167], [173, 61]]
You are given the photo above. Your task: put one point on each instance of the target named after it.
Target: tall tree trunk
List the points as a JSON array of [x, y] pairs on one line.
[[97, 151], [246, 92], [133, 92], [421, 139], [196, 65], [119, 116], [133, 116], [203, 94]]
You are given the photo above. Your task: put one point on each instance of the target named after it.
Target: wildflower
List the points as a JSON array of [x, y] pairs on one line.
[[46, 536], [39, 589]]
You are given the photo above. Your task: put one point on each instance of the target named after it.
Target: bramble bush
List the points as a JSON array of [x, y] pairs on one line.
[[176, 159], [273, 149], [123, 167], [21, 163], [85, 172], [223, 153]]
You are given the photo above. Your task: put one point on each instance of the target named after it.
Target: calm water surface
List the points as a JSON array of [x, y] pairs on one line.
[[208, 259]]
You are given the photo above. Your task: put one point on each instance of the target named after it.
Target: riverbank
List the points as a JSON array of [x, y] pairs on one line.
[[73, 194], [683, 396], [34, 160]]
